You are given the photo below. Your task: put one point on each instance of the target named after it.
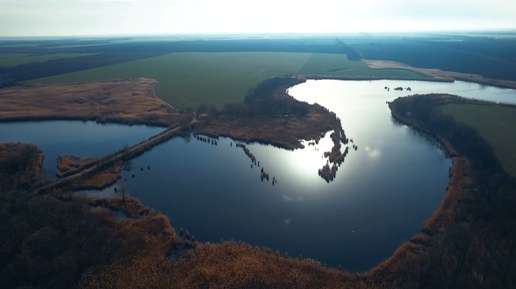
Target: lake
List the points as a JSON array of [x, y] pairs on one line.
[[382, 193], [81, 138]]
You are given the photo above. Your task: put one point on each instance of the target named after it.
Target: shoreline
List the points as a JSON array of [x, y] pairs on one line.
[[441, 75], [461, 178], [462, 206], [409, 260], [121, 101]]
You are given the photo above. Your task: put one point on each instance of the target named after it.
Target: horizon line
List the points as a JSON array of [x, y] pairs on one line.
[[250, 34]]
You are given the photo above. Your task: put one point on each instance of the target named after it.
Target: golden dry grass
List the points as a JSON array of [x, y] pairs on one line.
[[225, 265], [284, 132], [98, 181], [123, 101], [66, 163], [461, 177], [440, 75]]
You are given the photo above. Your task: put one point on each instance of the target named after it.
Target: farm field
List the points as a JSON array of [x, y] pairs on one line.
[[16, 59], [189, 79], [340, 65], [213, 72], [495, 123], [486, 56]]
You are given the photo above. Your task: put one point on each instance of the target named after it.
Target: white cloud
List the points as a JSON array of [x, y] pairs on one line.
[[54, 17]]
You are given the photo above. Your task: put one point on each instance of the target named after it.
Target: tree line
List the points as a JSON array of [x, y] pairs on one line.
[[473, 242]]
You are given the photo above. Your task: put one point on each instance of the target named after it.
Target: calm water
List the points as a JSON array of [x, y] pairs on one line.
[[382, 194], [86, 139]]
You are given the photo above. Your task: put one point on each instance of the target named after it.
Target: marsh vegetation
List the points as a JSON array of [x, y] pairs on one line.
[[62, 240]]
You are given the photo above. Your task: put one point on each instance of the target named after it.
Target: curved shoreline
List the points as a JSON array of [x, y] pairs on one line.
[[462, 208], [442, 218]]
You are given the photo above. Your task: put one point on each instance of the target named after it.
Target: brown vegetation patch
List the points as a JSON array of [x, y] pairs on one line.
[[98, 180], [336, 156], [281, 131], [67, 163], [468, 238], [225, 265], [441, 75], [270, 115], [123, 101], [20, 165], [50, 242], [469, 242]]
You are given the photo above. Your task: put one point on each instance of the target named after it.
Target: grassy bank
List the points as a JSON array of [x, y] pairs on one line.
[[467, 241], [495, 123]]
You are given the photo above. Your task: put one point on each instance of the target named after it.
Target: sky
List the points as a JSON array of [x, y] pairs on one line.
[[157, 17]]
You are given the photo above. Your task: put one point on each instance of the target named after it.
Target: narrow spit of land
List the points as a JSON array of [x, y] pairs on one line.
[[269, 115], [99, 164], [102, 179]]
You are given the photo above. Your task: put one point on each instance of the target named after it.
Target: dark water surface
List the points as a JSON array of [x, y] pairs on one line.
[[382, 194], [85, 139]]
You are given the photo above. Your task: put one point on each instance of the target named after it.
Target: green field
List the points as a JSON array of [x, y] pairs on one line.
[[16, 59], [339, 65], [188, 79], [495, 123]]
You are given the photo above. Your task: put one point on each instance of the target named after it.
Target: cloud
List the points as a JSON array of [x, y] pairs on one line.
[[79, 17]]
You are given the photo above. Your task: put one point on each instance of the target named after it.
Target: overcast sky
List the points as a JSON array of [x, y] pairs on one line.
[[127, 17]]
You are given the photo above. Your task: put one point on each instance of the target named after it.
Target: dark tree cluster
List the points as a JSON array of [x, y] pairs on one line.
[[16, 165], [473, 245], [267, 99], [489, 57]]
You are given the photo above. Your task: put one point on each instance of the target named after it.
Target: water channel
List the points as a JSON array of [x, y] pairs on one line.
[[382, 194]]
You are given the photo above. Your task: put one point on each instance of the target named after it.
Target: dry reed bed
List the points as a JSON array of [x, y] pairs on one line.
[[441, 75], [98, 180], [284, 132], [123, 101], [20, 165], [236, 265]]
